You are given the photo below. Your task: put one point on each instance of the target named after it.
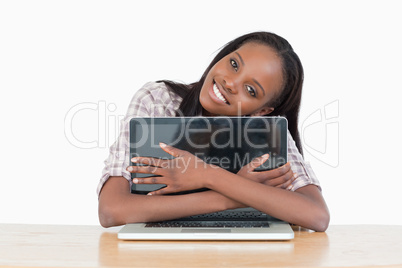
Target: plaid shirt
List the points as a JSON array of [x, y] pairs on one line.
[[155, 100]]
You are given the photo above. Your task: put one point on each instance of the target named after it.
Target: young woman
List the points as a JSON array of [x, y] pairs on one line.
[[254, 75]]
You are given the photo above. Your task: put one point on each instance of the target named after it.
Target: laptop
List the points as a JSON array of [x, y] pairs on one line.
[[229, 142]]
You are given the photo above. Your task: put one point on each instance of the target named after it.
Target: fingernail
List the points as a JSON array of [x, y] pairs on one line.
[[149, 194], [295, 175], [161, 144], [134, 160], [130, 168], [135, 180], [265, 156]]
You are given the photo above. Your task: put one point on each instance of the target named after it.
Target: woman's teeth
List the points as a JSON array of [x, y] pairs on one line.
[[219, 94]]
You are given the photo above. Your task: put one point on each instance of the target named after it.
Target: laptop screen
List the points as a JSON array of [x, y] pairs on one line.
[[228, 142]]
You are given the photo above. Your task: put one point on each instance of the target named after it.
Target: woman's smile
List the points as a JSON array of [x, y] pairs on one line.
[[217, 95]]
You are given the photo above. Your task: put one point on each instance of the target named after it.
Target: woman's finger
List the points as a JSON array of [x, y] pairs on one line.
[[145, 169], [149, 180], [166, 190], [288, 183], [290, 186], [276, 173], [150, 161], [277, 181], [172, 150], [256, 162]]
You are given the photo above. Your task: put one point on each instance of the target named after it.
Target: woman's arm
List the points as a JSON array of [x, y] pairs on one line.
[[117, 206], [305, 206]]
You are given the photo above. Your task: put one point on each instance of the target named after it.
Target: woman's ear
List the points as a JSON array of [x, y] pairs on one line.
[[263, 111]]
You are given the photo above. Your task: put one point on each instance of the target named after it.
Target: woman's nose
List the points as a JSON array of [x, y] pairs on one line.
[[230, 84]]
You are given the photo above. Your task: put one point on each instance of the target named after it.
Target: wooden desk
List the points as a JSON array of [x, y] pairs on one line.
[[93, 246]]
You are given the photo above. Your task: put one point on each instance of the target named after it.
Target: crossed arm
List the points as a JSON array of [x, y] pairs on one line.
[[265, 191]]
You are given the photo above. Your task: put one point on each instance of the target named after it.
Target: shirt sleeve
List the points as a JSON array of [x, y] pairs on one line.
[[152, 100], [306, 175]]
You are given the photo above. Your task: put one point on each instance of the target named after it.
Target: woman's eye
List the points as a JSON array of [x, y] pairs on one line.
[[251, 91], [234, 64]]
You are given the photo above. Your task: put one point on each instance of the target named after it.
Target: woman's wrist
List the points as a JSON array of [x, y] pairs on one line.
[[209, 178], [222, 202]]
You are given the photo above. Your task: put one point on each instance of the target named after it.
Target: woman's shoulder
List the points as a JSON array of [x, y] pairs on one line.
[[156, 92], [154, 99], [152, 88]]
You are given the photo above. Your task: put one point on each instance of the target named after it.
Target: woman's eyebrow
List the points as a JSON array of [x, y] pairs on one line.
[[255, 81], [241, 59], [263, 91]]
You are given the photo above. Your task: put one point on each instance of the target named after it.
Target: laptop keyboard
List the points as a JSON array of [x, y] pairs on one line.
[[225, 219], [209, 224], [230, 215]]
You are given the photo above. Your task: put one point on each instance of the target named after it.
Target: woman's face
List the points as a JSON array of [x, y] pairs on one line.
[[243, 82]]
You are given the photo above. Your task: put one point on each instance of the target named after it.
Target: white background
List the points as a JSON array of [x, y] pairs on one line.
[[59, 57]]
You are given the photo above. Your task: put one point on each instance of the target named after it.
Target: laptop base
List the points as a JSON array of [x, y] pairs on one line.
[[278, 230]]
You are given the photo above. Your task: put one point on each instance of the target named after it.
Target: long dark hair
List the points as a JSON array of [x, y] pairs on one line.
[[287, 104]]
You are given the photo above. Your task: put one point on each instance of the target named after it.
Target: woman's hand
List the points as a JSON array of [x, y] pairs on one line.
[[281, 177], [184, 172]]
